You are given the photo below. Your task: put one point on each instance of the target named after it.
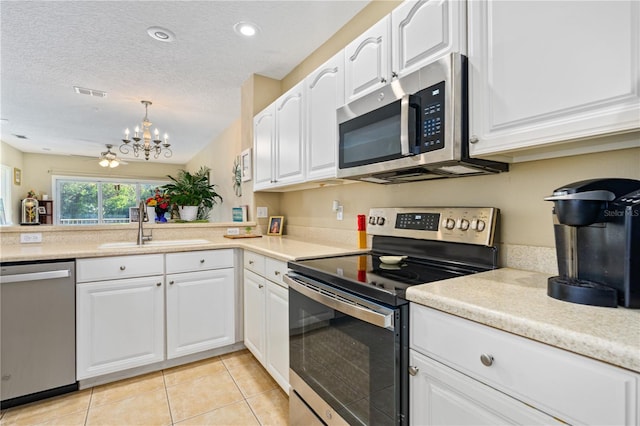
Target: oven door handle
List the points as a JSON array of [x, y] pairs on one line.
[[380, 316]]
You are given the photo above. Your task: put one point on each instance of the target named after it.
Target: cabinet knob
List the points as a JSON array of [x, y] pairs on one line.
[[260, 285], [486, 360], [413, 370], [394, 74], [122, 268], [201, 260], [172, 282], [383, 80], [251, 262], [158, 284], [277, 273], [474, 139]]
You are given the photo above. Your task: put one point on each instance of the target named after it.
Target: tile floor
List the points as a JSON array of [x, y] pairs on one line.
[[231, 389]]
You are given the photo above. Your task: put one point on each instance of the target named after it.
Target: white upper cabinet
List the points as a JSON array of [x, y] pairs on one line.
[[324, 93], [544, 72], [367, 60], [290, 136], [264, 133], [426, 30]]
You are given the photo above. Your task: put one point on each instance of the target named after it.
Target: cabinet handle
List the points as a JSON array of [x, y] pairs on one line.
[[260, 285], [158, 284], [486, 360], [172, 282], [122, 268], [201, 260], [474, 139], [413, 370]]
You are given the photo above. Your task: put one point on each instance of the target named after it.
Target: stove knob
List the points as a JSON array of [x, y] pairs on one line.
[[481, 225], [463, 224], [449, 223], [380, 220]]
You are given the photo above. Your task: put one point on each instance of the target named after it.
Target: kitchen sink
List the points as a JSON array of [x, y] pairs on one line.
[[152, 243]]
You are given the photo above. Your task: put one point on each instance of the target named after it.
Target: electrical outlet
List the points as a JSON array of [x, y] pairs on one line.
[[233, 231], [35, 237], [340, 213], [262, 212]]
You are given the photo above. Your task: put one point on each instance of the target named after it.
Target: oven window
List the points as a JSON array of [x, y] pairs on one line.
[[371, 138], [349, 363]]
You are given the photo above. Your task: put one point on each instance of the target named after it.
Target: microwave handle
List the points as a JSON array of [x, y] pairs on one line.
[[407, 103]]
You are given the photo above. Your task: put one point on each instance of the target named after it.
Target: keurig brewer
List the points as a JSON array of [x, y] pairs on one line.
[[597, 234]]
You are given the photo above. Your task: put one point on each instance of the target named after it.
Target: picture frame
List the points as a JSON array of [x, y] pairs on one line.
[[276, 224], [134, 214], [245, 164], [17, 176], [42, 210]]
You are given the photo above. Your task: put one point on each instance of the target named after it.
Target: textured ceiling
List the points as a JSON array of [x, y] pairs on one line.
[[47, 47]]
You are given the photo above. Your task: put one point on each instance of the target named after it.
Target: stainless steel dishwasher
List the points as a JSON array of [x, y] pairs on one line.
[[38, 337]]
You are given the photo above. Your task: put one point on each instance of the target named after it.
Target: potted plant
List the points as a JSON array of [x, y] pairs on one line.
[[192, 193]]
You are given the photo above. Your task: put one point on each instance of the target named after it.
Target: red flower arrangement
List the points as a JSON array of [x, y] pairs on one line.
[[161, 202]]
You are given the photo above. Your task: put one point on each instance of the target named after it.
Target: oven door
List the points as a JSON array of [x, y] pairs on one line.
[[348, 356]]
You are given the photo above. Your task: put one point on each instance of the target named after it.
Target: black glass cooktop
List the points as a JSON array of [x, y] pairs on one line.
[[366, 276]]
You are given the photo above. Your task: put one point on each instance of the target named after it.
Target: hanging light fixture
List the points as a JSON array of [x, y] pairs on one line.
[[142, 142], [109, 158]]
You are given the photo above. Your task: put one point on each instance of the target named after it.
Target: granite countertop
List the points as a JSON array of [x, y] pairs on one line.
[[516, 301], [282, 248]]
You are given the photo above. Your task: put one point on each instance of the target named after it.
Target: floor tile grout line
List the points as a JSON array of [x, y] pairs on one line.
[[166, 393], [86, 415]]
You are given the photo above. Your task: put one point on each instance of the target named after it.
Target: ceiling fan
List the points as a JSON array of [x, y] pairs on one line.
[[109, 158]]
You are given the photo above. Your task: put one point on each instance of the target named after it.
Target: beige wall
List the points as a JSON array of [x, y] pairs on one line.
[[219, 156], [525, 216], [12, 158]]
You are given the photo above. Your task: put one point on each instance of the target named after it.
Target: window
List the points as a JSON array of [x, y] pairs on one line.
[[94, 201], [5, 195]]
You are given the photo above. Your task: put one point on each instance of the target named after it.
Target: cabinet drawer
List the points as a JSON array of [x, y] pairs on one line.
[[199, 260], [275, 270], [110, 268], [254, 262], [570, 387]]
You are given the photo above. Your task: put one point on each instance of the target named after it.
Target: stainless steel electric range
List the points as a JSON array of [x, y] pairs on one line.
[[348, 316]]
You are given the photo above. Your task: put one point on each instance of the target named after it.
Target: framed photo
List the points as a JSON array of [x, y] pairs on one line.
[[17, 176], [42, 210], [245, 164], [275, 225], [134, 214]]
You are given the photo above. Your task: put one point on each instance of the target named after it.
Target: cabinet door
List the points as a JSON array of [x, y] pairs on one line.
[[324, 94], [290, 137], [277, 334], [200, 311], [367, 61], [254, 311], [440, 395], [264, 128], [120, 325], [426, 30], [548, 72]]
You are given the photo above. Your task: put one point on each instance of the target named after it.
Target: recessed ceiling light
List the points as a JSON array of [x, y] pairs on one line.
[[90, 92], [246, 29], [161, 34]]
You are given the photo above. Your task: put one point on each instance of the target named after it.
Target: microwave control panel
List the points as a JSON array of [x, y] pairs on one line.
[[432, 123]]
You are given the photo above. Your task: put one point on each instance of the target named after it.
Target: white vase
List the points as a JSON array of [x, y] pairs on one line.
[[188, 213], [151, 212]]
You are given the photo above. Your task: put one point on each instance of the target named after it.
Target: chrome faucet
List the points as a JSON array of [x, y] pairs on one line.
[[143, 217]]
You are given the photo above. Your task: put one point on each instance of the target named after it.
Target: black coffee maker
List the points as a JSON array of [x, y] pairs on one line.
[[597, 233]]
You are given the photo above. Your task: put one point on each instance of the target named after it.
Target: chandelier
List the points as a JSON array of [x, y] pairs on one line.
[[142, 142], [109, 158]]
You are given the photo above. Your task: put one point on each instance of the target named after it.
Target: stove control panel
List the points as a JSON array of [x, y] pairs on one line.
[[471, 225]]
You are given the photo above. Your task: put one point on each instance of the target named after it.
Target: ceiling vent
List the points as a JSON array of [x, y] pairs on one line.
[[90, 92]]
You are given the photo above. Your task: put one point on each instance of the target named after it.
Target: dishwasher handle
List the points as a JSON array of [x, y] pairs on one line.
[[35, 276]]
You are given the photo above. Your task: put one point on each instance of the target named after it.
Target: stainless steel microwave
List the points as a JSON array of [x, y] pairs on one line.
[[414, 128]]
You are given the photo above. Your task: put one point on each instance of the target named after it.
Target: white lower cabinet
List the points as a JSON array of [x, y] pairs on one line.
[[120, 325], [200, 311], [467, 373], [149, 317], [266, 315]]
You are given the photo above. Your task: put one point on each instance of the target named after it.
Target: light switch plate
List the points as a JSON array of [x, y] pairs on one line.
[[262, 212], [35, 237]]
